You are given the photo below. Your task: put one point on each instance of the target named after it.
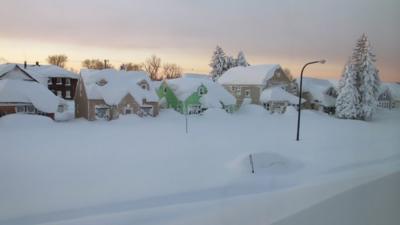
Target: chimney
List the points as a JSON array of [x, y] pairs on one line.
[[37, 63], [25, 65]]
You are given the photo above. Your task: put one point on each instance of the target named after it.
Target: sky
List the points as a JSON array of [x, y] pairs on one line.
[[186, 32]]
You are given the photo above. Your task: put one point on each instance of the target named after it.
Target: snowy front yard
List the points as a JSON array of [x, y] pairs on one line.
[[149, 171]]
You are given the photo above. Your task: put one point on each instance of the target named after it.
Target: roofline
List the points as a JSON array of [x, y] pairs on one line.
[[23, 71]]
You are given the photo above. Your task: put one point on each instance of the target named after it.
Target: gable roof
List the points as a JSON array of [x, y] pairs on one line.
[[43, 72], [278, 94], [318, 88], [250, 75], [117, 85], [185, 86], [393, 88], [18, 91], [5, 68]]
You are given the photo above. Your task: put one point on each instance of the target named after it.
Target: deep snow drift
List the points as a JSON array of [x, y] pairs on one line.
[[149, 171]]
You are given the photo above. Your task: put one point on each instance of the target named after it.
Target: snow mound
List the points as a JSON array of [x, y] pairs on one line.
[[21, 120], [279, 94], [29, 92], [266, 162], [252, 109]]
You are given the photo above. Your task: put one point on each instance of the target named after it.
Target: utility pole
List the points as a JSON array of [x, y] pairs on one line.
[[105, 63]]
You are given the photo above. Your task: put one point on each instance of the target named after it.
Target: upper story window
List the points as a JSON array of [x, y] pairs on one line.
[[233, 88], [50, 81], [59, 93], [101, 82], [68, 94], [59, 80], [144, 85], [68, 82], [201, 91]]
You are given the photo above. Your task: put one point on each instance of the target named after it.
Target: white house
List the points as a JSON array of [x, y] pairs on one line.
[[389, 95]]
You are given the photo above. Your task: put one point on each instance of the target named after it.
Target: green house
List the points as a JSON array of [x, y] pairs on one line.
[[185, 101]]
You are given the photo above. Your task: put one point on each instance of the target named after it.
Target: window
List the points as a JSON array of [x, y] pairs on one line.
[[59, 80], [238, 91], [59, 93], [67, 82], [68, 94], [201, 91], [20, 109], [165, 90], [247, 93], [101, 82], [144, 86], [50, 81], [233, 88]]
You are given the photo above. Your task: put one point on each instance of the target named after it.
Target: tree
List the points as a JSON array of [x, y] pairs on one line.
[[362, 75], [171, 71], [230, 63], [152, 66], [96, 64], [348, 100], [58, 60], [132, 67], [241, 60], [218, 63]]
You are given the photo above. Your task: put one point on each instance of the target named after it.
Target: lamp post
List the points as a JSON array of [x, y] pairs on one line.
[[301, 90]]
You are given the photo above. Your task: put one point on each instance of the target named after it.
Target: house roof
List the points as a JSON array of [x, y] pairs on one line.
[[117, 85], [185, 86], [196, 75], [317, 88], [5, 68], [278, 94], [18, 91], [43, 72], [250, 75], [394, 89]]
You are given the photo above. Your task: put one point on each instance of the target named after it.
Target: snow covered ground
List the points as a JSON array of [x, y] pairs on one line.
[[149, 171]]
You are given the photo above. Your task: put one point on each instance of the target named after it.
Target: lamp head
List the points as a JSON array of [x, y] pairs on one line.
[[322, 61]]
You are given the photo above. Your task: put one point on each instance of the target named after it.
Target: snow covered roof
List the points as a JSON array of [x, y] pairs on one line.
[[19, 91], [278, 94], [196, 75], [250, 75], [112, 86], [185, 86], [43, 72], [394, 89], [5, 68], [317, 88]]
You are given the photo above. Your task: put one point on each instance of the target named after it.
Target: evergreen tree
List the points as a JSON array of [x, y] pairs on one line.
[[348, 100], [230, 63], [241, 60], [360, 80], [367, 77], [218, 63]]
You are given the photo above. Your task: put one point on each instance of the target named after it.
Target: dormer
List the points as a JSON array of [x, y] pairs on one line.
[[144, 85], [101, 82]]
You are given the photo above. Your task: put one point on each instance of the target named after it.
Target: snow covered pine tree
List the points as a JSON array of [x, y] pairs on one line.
[[241, 60], [360, 76], [348, 100], [218, 63]]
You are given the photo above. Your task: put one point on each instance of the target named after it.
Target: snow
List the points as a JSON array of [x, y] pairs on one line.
[[317, 88], [278, 94], [249, 75], [149, 171], [394, 89], [196, 75], [186, 86], [118, 85], [43, 72], [28, 92]]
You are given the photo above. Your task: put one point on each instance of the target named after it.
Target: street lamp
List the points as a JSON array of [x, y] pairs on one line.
[[301, 90]]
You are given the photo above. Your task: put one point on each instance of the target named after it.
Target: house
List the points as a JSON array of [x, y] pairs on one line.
[[247, 83], [105, 94], [277, 99], [27, 97], [58, 80], [389, 95], [194, 94], [15, 72], [319, 94]]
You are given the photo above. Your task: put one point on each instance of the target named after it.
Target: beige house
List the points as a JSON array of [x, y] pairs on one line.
[[247, 83], [106, 94]]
